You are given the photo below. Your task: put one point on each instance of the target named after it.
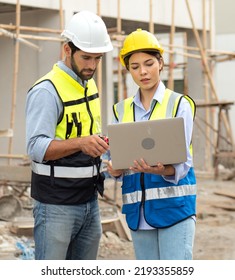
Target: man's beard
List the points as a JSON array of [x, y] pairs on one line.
[[82, 74]]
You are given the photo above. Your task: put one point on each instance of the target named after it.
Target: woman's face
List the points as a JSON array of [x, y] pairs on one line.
[[145, 70]]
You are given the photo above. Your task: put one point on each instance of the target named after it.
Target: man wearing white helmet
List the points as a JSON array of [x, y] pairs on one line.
[[62, 126]]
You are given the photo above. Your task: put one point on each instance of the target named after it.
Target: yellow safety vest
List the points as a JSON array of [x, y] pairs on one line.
[[81, 115], [124, 110], [76, 178]]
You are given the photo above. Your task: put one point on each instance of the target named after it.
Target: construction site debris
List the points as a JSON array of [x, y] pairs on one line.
[[215, 230], [10, 206]]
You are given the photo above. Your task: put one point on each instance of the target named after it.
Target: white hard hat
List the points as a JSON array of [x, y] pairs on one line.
[[88, 32]]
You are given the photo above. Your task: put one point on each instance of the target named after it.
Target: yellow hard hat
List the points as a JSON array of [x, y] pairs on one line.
[[139, 40]]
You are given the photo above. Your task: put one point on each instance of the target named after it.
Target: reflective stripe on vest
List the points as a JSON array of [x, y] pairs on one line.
[[64, 172], [124, 110], [159, 193]]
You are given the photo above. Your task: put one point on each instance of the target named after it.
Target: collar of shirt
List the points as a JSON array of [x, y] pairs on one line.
[[70, 72], [158, 96]]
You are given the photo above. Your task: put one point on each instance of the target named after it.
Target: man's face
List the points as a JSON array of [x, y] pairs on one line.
[[84, 64]]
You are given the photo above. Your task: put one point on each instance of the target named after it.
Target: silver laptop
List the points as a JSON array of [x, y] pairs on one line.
[[153, 140]]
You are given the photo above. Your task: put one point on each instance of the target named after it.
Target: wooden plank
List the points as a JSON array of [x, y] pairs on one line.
[[15, 173], [225, 207], [22, 226], [22, 230], [117, 224], [227, 194], [122, 227], [6, 133], [109, 220], [230, 154], [221, 103]]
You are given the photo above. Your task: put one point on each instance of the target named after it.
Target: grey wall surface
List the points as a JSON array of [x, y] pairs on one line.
[[32, 64]]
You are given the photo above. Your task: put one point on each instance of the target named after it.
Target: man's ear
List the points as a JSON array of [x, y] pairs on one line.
[[67, 49]]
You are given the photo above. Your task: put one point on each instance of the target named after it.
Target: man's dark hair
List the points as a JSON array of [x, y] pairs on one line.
[[73, 47]]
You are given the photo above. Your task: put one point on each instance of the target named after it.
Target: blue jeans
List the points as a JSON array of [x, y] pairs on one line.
[[172, 243], [70, 232]]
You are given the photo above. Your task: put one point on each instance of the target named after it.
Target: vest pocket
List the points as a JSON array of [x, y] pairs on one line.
[[173, 202], [156, 178], [130, 208], [129, 183]]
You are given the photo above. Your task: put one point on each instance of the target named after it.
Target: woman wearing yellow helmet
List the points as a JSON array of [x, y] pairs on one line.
[[162, 218]]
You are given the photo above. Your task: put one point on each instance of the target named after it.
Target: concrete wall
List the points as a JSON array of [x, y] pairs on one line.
[[161, 9], [225, 40], [224, 16], [32, 64]]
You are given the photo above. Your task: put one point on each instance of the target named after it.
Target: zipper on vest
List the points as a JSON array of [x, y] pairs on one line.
[[89, 111], [143, 195], [142, 188]]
